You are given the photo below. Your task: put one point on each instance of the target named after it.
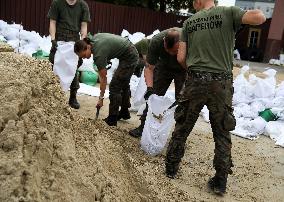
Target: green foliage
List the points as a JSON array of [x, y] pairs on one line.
[[157, 5]]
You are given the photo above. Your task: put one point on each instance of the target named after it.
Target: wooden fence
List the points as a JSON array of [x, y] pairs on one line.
[[32, 14]]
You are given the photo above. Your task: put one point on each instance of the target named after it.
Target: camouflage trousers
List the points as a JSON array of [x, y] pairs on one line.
[[162, 81], [119, 89], [217, 95], [67, 36]]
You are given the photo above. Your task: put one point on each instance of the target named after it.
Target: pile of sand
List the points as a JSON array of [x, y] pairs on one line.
[[49, 153], [4, 47]]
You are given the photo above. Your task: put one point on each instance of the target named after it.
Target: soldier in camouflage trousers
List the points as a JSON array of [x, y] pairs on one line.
[[206, 50], [106, 46]]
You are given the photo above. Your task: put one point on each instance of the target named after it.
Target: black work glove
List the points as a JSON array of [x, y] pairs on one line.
[[149, 92], [54, 43], [52, 51], [80, 62]]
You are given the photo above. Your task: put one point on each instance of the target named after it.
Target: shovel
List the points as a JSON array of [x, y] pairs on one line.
[[97, 113]]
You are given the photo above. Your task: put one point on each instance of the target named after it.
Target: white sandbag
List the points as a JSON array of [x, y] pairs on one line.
[[154, 33], [138, 97], [45, 44], [237, 55], [281, 59], [250, 129], [88, 65], [275, 130], [265, 88], [29, 48], [159, 122], [11, 33], [205, 114], [124, 33], [278, 112], [16, 44], [248, 110], [3, 25], [2, 38], [279, 92], [276, 102], [141, 109], [171, 94], [91, 90], [134, 81], [136, 37], [110, 72], [272, 61], [242, 88], [65, 63]]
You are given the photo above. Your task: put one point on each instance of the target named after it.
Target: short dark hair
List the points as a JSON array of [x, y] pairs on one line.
[[171, 38], [81, 45]]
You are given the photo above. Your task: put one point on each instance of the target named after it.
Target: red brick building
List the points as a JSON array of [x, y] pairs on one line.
[[263, 42], [275, 40]]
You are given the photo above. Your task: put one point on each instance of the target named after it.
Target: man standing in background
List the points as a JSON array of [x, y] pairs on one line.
[[206, 50], [68, 18]]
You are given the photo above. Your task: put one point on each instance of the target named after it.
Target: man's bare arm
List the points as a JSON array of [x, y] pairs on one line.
[[84, 30], [148, 74], [181, 56], [52, 29], [253, 17], [103, 81]]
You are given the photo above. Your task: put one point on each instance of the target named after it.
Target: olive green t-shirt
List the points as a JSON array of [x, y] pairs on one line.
[[142, 46], [210, 37], [157, 53], [69, 17], [108, 46]]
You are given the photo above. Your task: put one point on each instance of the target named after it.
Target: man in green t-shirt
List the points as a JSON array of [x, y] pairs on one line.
[[206, 50], [161, 69], [142, 48], [104, 47], [68, 18]]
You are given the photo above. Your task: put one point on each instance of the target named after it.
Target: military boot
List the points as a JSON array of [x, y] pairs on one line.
[[218, 184], [137, 132], [171, 169], [111, 120], [72, 100], [124, 114]]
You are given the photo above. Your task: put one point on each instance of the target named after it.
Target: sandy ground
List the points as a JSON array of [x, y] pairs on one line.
[[259, 165], [50, 152]]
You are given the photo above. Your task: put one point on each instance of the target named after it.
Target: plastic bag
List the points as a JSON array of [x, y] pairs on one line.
[[159, 121], [65, 63]]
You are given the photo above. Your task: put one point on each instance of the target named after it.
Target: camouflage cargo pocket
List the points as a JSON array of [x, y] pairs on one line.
[[229, 121]]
